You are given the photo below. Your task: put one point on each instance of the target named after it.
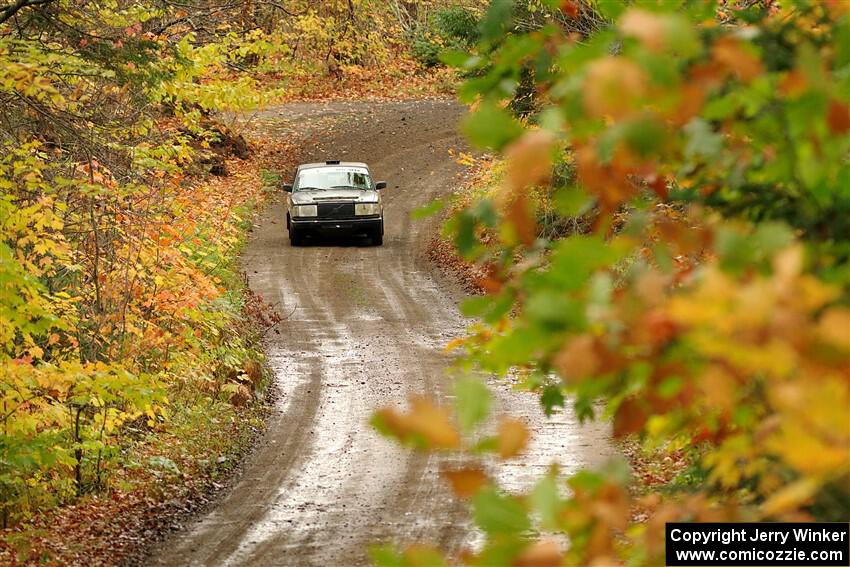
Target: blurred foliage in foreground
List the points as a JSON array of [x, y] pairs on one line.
[[706, 306]]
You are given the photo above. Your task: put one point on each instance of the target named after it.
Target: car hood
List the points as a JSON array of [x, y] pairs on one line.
[[309, 197]]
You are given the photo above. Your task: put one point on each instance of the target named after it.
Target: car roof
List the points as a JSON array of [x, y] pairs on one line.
[[333, 164]]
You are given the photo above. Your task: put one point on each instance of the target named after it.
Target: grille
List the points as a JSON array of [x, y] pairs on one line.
[[336, 210]]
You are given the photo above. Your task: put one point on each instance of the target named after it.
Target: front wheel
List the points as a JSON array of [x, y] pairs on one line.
[[378, 236], [295, 237]]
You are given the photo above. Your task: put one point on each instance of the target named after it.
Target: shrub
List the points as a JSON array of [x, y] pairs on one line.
[[449, 28]]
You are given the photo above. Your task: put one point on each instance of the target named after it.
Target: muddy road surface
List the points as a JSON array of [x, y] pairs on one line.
[[365, 327]]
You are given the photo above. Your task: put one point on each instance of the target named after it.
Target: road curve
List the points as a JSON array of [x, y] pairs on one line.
[[365, 328]]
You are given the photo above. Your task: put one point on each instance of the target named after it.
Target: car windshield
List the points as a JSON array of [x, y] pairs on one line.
[[323, 178]]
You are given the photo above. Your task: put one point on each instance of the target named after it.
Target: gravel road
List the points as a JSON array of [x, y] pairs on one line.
[[365, 328]]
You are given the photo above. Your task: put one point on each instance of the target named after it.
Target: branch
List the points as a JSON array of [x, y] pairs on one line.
[[282, 8], [13, 9]]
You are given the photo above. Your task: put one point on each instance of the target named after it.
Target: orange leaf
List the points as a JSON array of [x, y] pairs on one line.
[[424, 420], [578, 359], [707, 76], [837, 8], [691, 100], [719, 388], [650, 29], [614, 87], [512, 438], [658, 184], [731, 54], [630, 418], [530, 159], [838, 117], [611, 184], [466, 482], [570, 8], [794, 84], [433, 423], [543, 553], [518, 215]]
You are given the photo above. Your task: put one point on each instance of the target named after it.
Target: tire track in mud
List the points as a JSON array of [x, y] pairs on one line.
[[366, 329]]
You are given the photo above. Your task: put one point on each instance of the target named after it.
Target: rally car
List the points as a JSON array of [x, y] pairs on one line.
[[334, 197]]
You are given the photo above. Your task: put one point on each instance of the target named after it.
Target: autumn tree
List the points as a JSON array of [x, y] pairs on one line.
[[110, 270]]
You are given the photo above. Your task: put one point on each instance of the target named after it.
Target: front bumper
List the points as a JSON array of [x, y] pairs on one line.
[[364, 225]]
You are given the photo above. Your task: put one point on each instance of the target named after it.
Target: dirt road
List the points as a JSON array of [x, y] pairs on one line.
[[366, 328]]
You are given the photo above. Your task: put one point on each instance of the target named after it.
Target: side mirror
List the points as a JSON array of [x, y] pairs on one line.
[[380, 185], [287, 187]]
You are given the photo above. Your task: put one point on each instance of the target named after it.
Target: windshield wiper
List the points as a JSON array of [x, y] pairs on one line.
[[312, 189], [348, 187]]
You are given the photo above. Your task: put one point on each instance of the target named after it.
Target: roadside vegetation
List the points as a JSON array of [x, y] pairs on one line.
[[131, 369], [661, 240]]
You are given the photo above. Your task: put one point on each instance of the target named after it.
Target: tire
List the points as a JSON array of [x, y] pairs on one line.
[[295, 237], [378, 238]]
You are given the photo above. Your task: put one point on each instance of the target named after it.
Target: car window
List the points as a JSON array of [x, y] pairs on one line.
[[333, 177]]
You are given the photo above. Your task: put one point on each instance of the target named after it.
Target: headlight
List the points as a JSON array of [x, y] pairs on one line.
[[367, 209], [305, 211]]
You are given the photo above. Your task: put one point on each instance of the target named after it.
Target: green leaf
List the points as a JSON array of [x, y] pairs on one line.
[[551, 398], [499, 307], [428, 210], [455, 58], [575, 258], [499, 514], [475, 306], [702, 140], [163, 463], [491, 127], [464, 238], [586, 480], [572, 201], [486, 445], [611, 9], [497, 20], [472, 402], [771, 237], [645, 135], [386, 556], [501, 552], [546, 501]]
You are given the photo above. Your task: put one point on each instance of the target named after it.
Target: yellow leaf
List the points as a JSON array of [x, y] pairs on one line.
[[791, 497], [834, 327]]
